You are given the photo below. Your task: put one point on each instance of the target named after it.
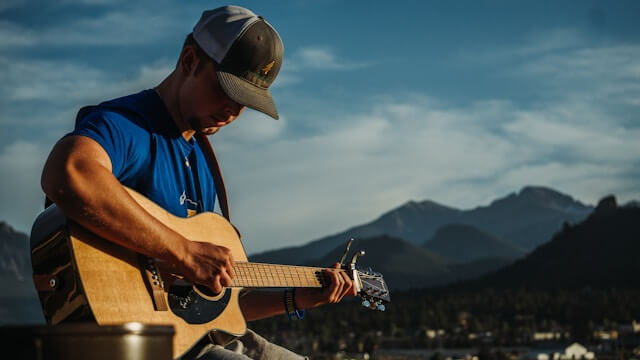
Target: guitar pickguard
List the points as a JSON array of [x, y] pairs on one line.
[[194, 308]]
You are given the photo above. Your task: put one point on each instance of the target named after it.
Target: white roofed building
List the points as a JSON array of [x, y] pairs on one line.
[[574, 351]]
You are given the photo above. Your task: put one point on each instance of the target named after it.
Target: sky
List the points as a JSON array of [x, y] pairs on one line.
[[381, 102]]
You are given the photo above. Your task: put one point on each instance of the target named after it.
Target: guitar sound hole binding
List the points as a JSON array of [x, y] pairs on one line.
[[187, 303]]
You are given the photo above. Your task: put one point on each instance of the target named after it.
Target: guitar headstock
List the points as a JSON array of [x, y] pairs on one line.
[[374, 291], [371, 286]]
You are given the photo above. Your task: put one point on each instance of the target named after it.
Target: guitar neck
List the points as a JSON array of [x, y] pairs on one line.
[[258, 275]]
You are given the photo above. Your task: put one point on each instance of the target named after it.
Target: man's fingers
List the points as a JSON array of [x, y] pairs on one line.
[[348, 285], [217, 287], [338, 282], [229, 267], [225, 279]]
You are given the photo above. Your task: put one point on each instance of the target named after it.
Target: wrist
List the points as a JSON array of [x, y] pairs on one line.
[[308, 298], [180, 253], [290, 305]]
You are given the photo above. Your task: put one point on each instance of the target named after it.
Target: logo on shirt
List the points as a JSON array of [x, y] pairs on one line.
[[192, 206]]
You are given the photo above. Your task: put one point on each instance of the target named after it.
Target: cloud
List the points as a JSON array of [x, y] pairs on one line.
[[566, 64], [9, 4], [315, 57], [551, 41], [26, 81], [576, 131], [21, 198], [14, 35], [90, 2], [312, 58], [111, 27]]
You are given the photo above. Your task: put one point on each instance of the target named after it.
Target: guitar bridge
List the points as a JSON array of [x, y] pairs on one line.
[[153, 280]]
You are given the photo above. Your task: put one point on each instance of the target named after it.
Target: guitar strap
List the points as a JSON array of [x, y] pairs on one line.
[[214, 168]]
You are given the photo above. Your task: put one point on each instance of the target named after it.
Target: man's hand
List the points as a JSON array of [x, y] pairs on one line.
[[341, 286], [208, 264]]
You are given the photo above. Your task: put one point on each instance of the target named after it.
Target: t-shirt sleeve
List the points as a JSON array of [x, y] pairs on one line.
[[126, 142]]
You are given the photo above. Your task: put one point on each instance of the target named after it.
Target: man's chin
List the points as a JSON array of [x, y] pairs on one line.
[[209, 130]]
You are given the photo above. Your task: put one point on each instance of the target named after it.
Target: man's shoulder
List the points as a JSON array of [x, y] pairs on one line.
[[136, 108]]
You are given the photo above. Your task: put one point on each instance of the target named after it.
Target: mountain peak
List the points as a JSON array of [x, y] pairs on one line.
[[606, 205], [5, 228], [539, 190], [544, 197], [543, 193], [423, 205]]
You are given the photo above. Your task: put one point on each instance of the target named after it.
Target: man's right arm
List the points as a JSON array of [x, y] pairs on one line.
[[77, 177]]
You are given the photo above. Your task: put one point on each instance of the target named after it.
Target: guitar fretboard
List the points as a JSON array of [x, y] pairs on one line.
[[273, 275]]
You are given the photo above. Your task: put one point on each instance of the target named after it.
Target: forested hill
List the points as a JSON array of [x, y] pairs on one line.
[[601, 252]]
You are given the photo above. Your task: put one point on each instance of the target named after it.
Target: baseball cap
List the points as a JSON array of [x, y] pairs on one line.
[[248, 51]]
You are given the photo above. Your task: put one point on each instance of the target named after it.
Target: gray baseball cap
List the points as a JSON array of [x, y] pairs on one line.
[[248, 51]]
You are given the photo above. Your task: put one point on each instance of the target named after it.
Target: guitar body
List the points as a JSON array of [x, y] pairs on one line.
[[80, 276]]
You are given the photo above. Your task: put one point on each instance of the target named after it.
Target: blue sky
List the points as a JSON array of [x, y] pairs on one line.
[[381, 102]]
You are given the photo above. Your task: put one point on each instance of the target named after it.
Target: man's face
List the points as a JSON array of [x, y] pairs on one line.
[[204, 104]]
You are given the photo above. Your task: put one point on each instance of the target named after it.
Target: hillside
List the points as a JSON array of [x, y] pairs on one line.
[[405, 265], [19, 302], [601, 252], [466, 243], [15, 264]]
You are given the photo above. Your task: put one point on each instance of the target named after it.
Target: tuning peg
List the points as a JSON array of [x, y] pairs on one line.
[[355, 258], [346, 251], [381, 307], [366, 303]]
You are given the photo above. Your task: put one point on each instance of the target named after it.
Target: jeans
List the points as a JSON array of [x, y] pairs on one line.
[[247, 347]]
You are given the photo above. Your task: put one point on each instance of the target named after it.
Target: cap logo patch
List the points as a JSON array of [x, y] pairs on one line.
[[265, 70]]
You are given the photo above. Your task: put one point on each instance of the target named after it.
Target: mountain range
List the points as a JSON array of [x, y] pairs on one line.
[[512, 226]]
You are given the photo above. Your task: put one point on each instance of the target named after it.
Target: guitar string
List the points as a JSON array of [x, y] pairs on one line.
[[312, 276], [298, 275]]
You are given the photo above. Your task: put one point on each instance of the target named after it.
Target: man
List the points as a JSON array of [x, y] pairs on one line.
[[146, 142]]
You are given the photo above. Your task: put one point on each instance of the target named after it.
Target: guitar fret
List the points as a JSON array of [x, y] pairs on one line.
[[272, 275]]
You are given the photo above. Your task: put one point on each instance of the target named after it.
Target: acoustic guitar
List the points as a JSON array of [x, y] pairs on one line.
[[81, 277]]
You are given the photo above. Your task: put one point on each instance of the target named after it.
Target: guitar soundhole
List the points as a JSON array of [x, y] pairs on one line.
[[205, 290], [187, 303]]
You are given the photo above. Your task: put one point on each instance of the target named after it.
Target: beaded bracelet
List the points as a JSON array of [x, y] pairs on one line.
[[290, 305]]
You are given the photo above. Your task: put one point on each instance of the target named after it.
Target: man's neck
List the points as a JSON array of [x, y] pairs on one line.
[[167, 90]]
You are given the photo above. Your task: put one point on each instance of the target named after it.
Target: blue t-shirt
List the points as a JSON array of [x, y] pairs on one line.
[[148, 153]]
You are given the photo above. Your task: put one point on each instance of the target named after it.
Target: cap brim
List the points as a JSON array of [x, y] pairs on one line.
[[247, 94]]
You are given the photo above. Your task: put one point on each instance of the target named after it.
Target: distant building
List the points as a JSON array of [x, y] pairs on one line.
[[547, 335], [632, 328], [574, 351]]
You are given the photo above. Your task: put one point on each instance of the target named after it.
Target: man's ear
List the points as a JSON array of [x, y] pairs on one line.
[[188, 60]]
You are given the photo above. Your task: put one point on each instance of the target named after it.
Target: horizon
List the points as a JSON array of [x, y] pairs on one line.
[[380, 105], [385, 212]]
